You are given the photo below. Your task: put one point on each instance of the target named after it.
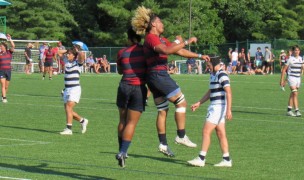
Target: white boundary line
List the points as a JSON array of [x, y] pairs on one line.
[[3, 177], [22, 140]]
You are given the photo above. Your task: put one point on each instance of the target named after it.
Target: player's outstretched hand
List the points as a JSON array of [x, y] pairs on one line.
[[192, 40], [195, 106], [206, 58]]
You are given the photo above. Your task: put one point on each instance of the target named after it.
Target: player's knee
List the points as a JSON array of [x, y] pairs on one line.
[[294, 91], [164, 105]]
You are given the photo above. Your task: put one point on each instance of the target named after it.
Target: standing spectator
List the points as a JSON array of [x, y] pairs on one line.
[[242, 59], [172, 69], [162, 86], [258, 58], [6, 56], [219, 110], [283, 59], [28, 58], [267, 61], [42, 49], [48, 57], [72, 90], [294, 68], [234, 60], [191, 64], [132, 92], [61, 58]]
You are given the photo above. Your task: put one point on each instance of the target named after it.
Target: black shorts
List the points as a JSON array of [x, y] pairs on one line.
[[162, 85], [48, 64], [6, 74], [131, 97]]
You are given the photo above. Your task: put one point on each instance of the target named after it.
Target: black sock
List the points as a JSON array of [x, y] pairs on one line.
[[202, 157], [181, 133], [288, 109], [162, 139], [3, 97], [227, 158], [69, 127], [82, 120]]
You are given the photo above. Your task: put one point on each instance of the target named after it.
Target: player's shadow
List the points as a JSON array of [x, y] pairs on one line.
[[251, 112], [30, 129], [164, 158], [43, 169]]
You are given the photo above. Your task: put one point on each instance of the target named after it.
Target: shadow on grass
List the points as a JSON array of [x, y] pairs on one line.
[[252, 112], [30, 129], [42, 169]]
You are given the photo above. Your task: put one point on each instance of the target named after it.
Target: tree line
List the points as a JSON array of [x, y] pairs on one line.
[[104, 22]]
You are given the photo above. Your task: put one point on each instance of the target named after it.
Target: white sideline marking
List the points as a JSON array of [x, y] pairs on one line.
[[3, 177], [22, 140]]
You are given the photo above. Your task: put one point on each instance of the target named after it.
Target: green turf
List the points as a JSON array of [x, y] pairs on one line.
[[264, 143]]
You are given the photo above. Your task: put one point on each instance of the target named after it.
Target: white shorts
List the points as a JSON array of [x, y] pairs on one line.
[[294, 82], [216, 114], [72, 94]]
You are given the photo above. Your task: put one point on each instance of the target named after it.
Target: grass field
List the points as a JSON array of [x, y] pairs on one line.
[[264, 143]]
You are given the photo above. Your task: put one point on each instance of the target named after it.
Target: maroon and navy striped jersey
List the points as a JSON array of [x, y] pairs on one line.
[[132, 62], [155, 61], [5, 60]]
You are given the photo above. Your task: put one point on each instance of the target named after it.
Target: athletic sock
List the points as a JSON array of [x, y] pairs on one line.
[[289, 108], [69, 126], [297, 109], [82, 120], [124, 146], [202, 155], [162, 139], [181, 133], [226, 156]]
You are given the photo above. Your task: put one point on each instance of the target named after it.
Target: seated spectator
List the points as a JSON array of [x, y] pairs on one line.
[[229, 68], [172, 69], [90, 63], [97, 65], [191, 64], [105, 64]]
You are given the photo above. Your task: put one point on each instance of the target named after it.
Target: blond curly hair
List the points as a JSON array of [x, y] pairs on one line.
[[141, 20]]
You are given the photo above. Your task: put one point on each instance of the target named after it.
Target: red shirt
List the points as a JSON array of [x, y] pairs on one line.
[[5, 60], [132, 62], [49, 55], [154, 60]]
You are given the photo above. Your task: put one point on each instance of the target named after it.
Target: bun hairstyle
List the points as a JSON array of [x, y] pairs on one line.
[[141, 22], [74, 52], [134, 38]]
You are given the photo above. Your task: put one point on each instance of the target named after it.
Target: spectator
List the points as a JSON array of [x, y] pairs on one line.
[[283, 59], [258, 58], [234, 60], [192, 64], [42, 49], [242, 59], [172, 69], [6, 57], [48, 58], [267, 61], [28, 58], [105, 64], [90, 63], [61, 58], [229, 68]]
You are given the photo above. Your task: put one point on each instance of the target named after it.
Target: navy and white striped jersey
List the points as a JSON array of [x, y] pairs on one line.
[[218, 81], [72, 74], [294, 66]]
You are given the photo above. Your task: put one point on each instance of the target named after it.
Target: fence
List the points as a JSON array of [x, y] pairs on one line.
[[220, 50]]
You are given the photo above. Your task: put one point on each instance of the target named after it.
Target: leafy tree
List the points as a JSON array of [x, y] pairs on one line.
[[39, 20]]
